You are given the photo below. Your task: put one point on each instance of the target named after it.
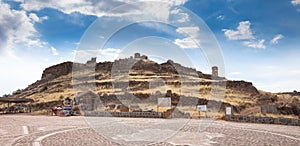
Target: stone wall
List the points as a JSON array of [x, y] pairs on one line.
[[269, 108], [263, 120], [125, 114]]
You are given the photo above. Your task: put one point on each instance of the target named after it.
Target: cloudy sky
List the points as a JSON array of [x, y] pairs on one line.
[[259, 40]]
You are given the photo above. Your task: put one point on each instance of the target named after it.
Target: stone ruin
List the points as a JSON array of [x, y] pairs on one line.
[[215, 71], [138, 56], [92, 61]]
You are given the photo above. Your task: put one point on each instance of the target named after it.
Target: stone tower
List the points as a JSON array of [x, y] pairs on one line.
[[94, 59], [137, 55], [215, 71]]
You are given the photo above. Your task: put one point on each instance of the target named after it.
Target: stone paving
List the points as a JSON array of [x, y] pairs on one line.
[[23, 130]]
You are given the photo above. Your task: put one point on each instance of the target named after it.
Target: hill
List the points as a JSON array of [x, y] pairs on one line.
[[143, 78]]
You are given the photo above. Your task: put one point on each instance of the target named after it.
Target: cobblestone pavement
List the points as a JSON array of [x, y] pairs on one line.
[[23, 130]]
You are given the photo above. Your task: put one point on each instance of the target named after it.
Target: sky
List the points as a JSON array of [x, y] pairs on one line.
[[256, 41]]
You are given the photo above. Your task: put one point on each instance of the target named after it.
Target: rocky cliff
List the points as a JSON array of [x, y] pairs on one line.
[[57, 71]]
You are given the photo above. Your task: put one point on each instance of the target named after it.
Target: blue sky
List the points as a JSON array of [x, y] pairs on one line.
[[259, 39]]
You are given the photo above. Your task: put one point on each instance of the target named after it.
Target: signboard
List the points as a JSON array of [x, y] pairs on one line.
[[228, 110], [164, 102], [201, 108]]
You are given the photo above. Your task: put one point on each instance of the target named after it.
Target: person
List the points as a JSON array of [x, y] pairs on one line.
[[68, 101], [54, 111]]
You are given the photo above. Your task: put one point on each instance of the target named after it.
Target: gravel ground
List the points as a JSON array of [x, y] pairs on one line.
[[23, 130]]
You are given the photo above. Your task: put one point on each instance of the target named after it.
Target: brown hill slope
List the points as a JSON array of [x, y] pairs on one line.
[[143, 77]]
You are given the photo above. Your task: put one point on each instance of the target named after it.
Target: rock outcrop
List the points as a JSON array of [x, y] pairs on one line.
[[242, 86], [57, 71]]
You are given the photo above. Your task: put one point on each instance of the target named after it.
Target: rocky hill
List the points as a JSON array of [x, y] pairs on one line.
[[143, 78]]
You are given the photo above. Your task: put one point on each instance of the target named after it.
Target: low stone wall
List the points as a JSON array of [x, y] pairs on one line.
[[124, 114], [264, 120]]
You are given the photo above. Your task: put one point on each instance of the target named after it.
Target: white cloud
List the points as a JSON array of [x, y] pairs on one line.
[[17, 28], [148, 8], [82, 56], [109, 54], [112, 52], [175, 11], [158, 27], [176, 2], [221, 17], [54, 51], [295, 2], [256, 45], [243, 32], [100, 8], [74, 52], [182, 17], [193, 31], [276, 39], [21, 47], [35, 18], [191, 40], [186, 43]]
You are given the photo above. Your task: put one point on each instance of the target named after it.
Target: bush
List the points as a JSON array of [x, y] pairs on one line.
[[274, 98], [295, 110], [6, 95], [61, 97], [17, 92]]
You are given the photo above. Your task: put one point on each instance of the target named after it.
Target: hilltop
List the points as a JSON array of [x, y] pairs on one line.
[[146, 77]]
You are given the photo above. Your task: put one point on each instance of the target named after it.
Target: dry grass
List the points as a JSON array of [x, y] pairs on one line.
[[276, 116]]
